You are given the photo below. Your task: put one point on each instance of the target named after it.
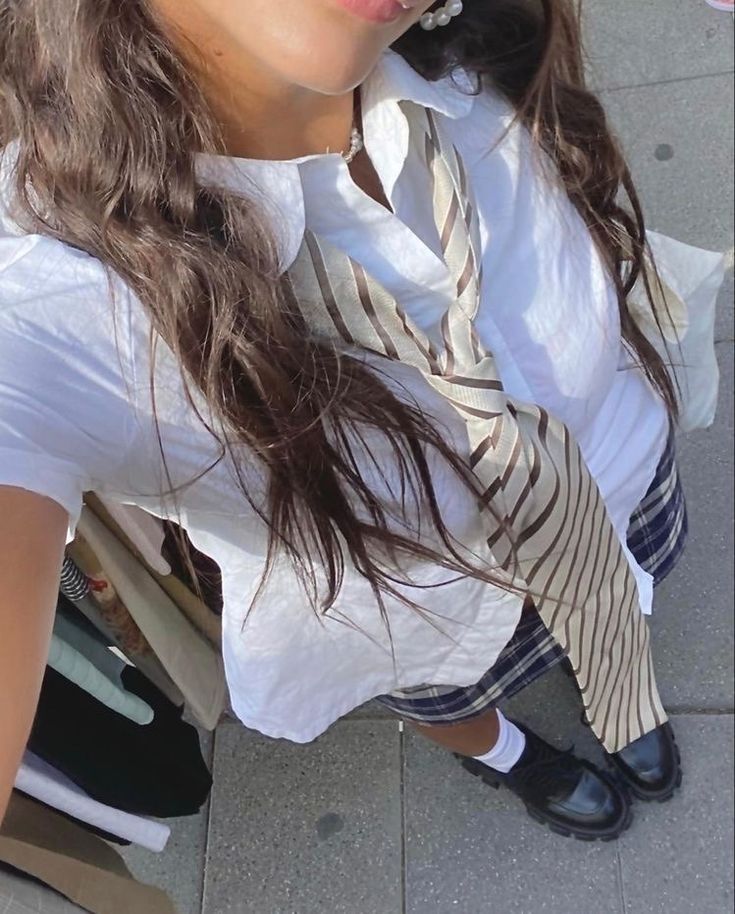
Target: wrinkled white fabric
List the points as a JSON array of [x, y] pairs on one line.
[[75, 412]]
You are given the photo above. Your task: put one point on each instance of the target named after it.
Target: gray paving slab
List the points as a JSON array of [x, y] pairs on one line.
[[306, 829], [678, 138], [371, 710], [692, 622], [552, 707], [179, 869], [630, 42], [678, 858], [473, 850]]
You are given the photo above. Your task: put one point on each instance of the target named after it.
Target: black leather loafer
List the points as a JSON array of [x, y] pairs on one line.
[[568, 794], [651, 765]]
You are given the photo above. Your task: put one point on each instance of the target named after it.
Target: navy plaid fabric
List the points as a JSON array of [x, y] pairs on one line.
[[658, 529], [656, 537]]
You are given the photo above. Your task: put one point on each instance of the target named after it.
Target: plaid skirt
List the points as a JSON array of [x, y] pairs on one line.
[[656, 537]]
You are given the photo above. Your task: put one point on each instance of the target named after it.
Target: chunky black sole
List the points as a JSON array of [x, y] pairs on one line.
[[650, 796], [489, 777]]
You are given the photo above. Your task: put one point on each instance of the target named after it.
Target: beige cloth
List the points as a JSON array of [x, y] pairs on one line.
[[142, 529], [190, 660], [104, 609], [81, 866], [200, 616], [554, 535]]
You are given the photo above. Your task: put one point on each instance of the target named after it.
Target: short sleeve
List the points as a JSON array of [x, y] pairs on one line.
[[47, 476], [63, 422]]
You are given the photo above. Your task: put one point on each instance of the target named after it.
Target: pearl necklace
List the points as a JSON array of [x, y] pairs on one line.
[[356, 144], [356, 141], [429, 21]]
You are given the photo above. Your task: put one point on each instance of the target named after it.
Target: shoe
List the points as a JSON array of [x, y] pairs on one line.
[[650, 765], [727, 6], [568, 794]]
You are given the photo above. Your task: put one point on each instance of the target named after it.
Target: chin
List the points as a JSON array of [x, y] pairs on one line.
[[337, 80], [334, 68]]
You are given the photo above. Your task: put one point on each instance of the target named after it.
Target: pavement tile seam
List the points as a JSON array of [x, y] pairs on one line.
[[205, 857], [270, 803], [620, 881], [598, 90], [404, 813], [681, 710], [699, 829]]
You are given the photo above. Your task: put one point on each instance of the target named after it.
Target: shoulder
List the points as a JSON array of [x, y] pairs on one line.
[[58, 304], [461, 96], [59, 325], [42, 274], [68, 379], [37, 271]]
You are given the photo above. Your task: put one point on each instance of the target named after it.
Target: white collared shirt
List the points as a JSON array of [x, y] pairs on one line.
[[75, 412]]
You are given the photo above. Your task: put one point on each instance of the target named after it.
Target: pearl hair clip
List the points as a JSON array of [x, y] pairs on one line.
[[442, 16]]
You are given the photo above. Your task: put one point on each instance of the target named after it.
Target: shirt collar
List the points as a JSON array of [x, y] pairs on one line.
[[394, 79], [276, 186]]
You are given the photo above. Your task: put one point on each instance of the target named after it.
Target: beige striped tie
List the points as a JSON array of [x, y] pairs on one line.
[[564, 549]]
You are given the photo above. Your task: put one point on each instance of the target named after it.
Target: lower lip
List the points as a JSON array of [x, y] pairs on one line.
[[374, 10]]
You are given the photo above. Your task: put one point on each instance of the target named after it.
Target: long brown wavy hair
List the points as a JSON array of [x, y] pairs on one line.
[[108, 119]]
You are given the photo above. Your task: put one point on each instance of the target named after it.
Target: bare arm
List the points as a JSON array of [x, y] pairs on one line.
[[32, 535]]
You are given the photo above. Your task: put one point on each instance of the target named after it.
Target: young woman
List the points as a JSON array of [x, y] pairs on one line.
[[340, 285]]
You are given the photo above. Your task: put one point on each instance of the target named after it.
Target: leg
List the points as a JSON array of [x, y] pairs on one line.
[[568, 794], [476, 736], [473, 737]]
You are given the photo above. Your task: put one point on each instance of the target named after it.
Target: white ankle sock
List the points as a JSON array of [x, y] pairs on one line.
[[507, 750]]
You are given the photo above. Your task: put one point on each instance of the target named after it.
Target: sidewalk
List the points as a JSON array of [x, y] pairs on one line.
[[372, 820]]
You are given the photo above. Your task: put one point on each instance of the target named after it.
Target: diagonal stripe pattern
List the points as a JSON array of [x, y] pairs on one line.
[[557, 539]]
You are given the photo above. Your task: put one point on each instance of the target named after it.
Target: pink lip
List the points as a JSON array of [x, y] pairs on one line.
[[374, 10]]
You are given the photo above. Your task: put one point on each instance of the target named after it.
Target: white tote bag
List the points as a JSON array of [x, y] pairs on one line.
[[691, 279]]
